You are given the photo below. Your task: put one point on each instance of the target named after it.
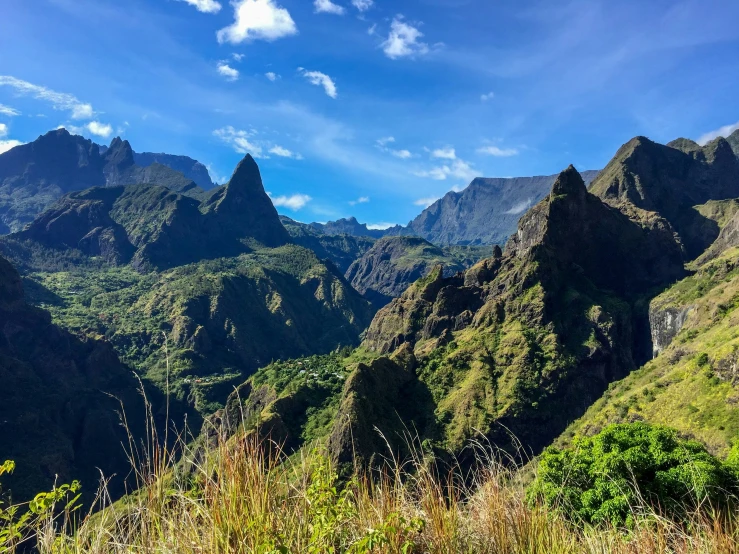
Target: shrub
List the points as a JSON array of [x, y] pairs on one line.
[[602, 479]]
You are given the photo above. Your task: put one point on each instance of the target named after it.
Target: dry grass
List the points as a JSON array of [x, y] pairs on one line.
[[243, 496]]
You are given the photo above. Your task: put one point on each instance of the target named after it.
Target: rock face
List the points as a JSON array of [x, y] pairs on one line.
[[733, 140], [393, 263], [646, 181], [57, 416], [153, 227], [34, 175], [665, 324]]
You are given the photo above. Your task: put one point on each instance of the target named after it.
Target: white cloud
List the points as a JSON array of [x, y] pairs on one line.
[[257, 20], [278, 150], [402, 154], [7, 110], [237, 57], [240, 140], [99, 129], [322, 80], [447, 153], [724, 131], [425, 202], [497, 152], [293, 202], [205, 6], [59, 100], [3, 130], [487, 97], [363, 5], [327, 6], [403, 40], [382, 144], [520, 207], [6, 145], [380, 226], [458, 188], [372, 30], [227, 71], [272, 76], [360, 200], [458, 169]]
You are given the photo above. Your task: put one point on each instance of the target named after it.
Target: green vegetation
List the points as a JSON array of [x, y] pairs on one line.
[[692, 384], [600, 479]]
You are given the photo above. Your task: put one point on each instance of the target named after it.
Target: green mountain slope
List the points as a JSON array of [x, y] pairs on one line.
[[522, 342], [59, 421], [692, 384]]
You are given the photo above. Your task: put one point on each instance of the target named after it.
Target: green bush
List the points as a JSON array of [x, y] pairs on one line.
[[602, 479]]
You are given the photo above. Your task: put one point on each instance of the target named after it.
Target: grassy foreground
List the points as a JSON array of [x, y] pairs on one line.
[[242, 497]]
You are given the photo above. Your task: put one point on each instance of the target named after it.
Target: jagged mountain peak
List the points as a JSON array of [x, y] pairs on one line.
[[119, 153], [569, 182]]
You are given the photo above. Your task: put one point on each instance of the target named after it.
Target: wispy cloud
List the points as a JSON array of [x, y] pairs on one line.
[[382, 144], [7, 110], [403, 40], [240, 140], [497, 152], [257, 20], [322, 80], [487, 97], [293, 202], [102, 130], [272, 76], [459, 169], [205, 6], [724, 131], [237, 57], [520, 207], [447, 153], [59, 100], [363, 5], [327, 6], [282, 152], [227, 71], [360, 200], [425, 202]]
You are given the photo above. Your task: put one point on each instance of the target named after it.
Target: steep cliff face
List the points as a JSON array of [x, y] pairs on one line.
[[646, 180], [350, 226], [58, 416]]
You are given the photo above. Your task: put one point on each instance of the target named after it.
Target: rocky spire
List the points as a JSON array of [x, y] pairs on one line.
[[569, 182]]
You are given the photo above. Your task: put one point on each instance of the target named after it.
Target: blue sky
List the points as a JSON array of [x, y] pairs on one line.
[[371, 108]]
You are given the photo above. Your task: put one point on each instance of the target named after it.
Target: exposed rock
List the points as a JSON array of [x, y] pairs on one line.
[[665, 324]]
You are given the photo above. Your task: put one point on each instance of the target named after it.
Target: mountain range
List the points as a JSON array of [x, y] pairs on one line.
[[613, 302]]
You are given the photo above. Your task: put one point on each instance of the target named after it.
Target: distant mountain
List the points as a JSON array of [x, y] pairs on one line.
[[191, 169], [342, 250], [154, 227], [34, 175], [350, 226], [733, 140], [394, 263], [485, 213]]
